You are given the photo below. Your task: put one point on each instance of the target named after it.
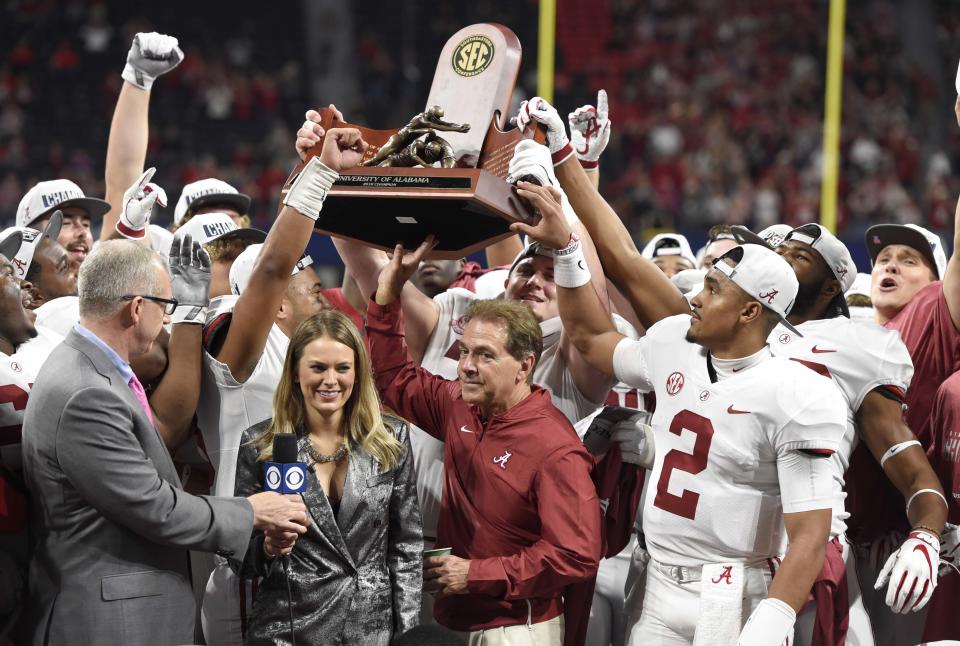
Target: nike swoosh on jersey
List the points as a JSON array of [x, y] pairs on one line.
[[817, 350], [464, 429], [734, 411]]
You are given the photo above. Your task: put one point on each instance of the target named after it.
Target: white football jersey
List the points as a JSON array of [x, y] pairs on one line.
[[714, 491], [59, 314], [859, 356], [227, 408], [17, 372]]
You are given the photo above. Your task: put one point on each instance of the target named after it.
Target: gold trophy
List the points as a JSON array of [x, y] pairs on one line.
[[414, 182]]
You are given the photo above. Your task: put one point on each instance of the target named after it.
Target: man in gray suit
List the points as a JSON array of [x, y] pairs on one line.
[[112, 523]]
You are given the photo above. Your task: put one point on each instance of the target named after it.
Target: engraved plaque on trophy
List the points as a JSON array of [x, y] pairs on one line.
[[444, 172]]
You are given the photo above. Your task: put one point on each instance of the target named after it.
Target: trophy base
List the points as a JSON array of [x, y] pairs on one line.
[[466, 209]]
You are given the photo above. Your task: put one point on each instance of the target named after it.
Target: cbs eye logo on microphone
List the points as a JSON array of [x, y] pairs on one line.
[[290, 477]]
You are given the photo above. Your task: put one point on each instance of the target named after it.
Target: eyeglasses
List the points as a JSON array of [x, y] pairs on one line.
[[169, 304]]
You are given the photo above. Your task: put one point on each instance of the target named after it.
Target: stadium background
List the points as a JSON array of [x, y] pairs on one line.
[[717, 105]]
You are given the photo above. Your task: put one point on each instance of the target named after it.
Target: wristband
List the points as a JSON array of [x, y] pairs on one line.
[[128, 232], [310, 189], [590, 166], [193, 314], [920, 491], [771, 623], [570, 265], [562, 155], [137, 78], [896, 449], [924, 529]]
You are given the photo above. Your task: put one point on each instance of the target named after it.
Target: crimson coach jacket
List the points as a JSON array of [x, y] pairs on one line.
[[517, 500]]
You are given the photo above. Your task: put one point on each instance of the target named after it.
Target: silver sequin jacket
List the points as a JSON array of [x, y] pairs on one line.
[[355, 578]]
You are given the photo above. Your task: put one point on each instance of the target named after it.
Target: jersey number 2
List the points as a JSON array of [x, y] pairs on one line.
[[685, 504]]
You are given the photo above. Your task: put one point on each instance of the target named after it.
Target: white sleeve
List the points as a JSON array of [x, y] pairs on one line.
[[807, 482], [814, 413], [631, 363], [884, 361]]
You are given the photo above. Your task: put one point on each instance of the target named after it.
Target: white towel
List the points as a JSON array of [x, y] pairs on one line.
[[721, 604]]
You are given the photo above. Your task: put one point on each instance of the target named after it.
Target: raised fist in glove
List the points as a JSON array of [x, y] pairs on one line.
[[537, 109], [531, 162], [590, 131], [138, 201], [911, 572], [150, 55], [311, 131], [189, 280]]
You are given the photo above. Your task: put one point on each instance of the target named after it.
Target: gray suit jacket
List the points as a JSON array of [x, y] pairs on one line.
[[356, 576], [112, 523]]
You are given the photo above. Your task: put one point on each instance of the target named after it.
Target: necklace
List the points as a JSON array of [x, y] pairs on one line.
[[322, 458]]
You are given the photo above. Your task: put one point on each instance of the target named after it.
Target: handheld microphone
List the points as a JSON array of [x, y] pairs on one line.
[[284, 474]]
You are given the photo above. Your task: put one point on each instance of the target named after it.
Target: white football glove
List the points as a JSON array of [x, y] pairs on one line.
[[590, 131], [950, 550], [537, 109], [911, 572], [636, 441], [138, 201], [532, 161], [150, 55]]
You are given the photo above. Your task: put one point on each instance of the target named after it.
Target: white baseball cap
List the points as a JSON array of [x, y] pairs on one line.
[[53, 194], [833, 252], [207, 227], [860, 286], [242, 267], [926, 242], [669, 244], [209, 191], [30, 239], [10, 242], [774, 234], [764, 276]]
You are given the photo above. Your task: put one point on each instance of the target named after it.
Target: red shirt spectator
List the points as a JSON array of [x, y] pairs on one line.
[[943, 621]]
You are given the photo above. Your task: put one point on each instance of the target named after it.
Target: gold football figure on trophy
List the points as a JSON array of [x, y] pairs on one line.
[[424, 152], [426, 122]]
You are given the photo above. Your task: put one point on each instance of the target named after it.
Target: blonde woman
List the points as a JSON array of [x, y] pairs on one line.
[[355, 576]]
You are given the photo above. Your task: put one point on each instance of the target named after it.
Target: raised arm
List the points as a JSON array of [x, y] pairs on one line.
[[651, 294], [364, 263], [590, 134], [951, 277], [412, 392], [150, 55], [586, 321], [175, 398], [533, 160], [256, 308]]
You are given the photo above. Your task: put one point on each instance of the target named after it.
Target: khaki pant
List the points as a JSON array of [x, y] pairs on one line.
[[545, 633]]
